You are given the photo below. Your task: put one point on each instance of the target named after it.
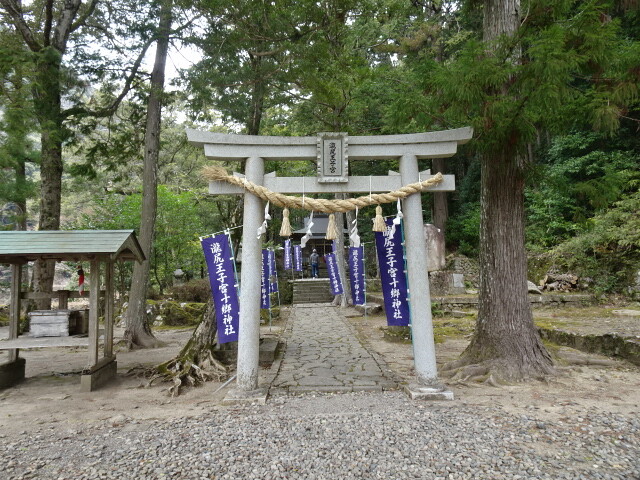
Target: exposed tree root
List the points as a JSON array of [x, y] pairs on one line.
[[196, 362], [185, 372], [494, 373]]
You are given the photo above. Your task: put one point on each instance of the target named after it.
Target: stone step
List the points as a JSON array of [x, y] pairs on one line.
[[312, 291], [323, 291], [301, 302], [308, 297], [313, 299]]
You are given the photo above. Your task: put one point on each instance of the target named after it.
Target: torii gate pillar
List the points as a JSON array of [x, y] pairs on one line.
[[424, 351], [249, 339]]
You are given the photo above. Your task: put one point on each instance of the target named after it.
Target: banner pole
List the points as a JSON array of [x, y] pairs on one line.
[[233, 260], [275, 272]]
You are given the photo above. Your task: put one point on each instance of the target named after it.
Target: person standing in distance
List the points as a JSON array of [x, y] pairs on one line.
[[313, 259]]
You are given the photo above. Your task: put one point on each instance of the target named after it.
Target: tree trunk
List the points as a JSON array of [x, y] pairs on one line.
[[47, 106], [505, 334], [344, 299], [505, 337], [440, 207], [196, 363], [138, 333], [257, 97]]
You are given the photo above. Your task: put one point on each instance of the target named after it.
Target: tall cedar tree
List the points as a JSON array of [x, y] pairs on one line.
[[520, 81], [505, 333], [138, 333]]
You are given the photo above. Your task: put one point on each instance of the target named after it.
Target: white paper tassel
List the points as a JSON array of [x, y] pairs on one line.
[[307, 236], [396, 221], [263, 228], [353, 235]]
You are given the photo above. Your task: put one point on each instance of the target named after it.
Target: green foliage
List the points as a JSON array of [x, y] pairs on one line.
[[609, 251], [463, 230], [17, 148], [580, 175], [179, 223], [198, 290]]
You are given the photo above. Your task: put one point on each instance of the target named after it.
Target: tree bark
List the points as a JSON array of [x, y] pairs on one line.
[[258, 94], [344, 299], [505, 334], [138, 333], [47, 104], [505, 337]]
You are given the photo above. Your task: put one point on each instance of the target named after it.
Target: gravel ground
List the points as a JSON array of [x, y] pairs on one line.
[[358, 435]]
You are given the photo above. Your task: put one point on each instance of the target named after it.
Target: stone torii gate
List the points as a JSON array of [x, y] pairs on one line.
[[333, 151]]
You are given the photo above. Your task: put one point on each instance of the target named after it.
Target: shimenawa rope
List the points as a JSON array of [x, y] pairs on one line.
[[319, 204]]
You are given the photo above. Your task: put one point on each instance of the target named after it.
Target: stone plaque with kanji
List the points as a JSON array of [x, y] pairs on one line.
[[332, 160]]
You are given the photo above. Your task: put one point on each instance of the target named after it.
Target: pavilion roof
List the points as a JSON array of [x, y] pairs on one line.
[[69, 245]]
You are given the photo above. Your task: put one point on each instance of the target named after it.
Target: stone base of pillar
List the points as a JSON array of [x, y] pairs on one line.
[[242, 397], [416, 391], [12, 373], [92, 379]]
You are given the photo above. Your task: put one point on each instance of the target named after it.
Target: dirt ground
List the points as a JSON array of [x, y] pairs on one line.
[[584, 381], [50, 396]]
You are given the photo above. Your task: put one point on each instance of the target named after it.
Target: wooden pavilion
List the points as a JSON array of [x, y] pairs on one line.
[[99, 248]]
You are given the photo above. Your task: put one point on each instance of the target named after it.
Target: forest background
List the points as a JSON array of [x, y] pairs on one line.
[[365, 67]]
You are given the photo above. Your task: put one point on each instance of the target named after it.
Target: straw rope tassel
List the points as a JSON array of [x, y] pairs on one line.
[[378, 222], [332, 230], [285, 229]]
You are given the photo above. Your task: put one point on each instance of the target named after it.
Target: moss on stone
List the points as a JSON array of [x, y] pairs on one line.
[[397, 334], [265, 316], [172, 313], [450, 327]]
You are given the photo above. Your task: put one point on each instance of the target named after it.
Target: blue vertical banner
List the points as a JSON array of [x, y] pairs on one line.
[[356, 274], [265, 298], [334, 275], [217, 253], [288, 264], [273, 275], [394, 281], [297, 257]]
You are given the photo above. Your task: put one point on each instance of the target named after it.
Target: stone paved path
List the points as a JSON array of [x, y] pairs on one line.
[[324, 355]]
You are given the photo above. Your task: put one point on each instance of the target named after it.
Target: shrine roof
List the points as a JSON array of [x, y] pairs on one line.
[[69, 245]]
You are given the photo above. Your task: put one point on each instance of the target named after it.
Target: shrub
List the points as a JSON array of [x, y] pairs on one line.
[[609, 251], [192, 291]]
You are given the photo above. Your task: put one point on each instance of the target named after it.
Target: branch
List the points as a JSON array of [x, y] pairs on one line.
[[83, 18], [14, 10], [270, 53], [109, 110], [65, 21]]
